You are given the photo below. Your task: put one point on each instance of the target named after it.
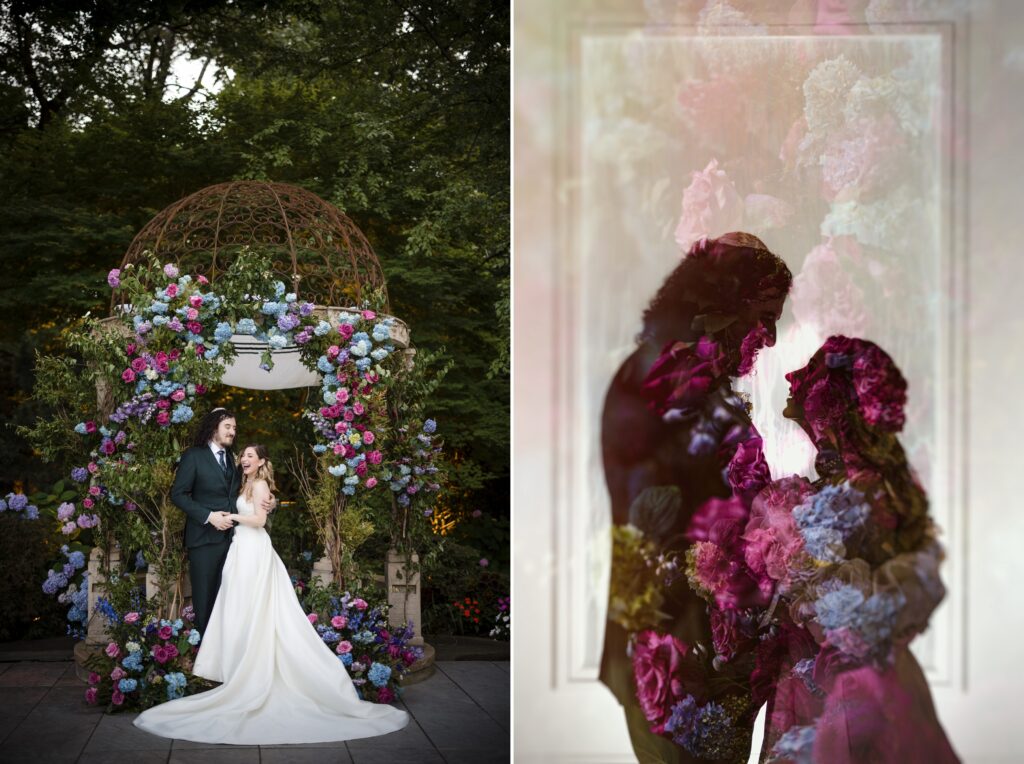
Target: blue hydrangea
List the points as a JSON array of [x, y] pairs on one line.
[[330, 398], [330, 635], [825, 544], [181, 413], [379, 354], [360, 348], [838, 606], [17, 501], [337, 469], [31, 512], [127, 685], [430, 426], [278, 341], [364, 637], [245, 326], [279, 289], [321, 328], [175, 685], [223, 332], [379, 674], [348, 490], [211, 353], [290, 297], [346, 659], [795, 746], [270, 308], [77, 559], [352, 480], [159, 320], [319, 448], [55, 581], [133, 661], [80, 428], [324, 365], [381, 332], [79, 474], [363, 364], [193, 637], [158, 307]]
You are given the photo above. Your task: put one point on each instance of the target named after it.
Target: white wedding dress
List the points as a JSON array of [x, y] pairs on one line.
[[281, 682]]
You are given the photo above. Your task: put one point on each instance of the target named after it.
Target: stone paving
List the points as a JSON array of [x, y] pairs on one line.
[[460, 715]]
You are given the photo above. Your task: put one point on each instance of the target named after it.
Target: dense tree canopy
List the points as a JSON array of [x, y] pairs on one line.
[[396, 112]]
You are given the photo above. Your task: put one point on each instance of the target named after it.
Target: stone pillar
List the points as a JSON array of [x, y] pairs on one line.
[[97, 626], [404, 596], [323, 572]]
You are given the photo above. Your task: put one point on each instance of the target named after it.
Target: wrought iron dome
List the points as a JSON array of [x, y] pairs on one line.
[[313, 245]]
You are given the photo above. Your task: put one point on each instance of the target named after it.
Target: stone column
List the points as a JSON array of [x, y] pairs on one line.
[[97, 626], [404, 596], [323, 573]]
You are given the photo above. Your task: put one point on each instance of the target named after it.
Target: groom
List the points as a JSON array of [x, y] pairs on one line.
[[205, 488], [730, 290]]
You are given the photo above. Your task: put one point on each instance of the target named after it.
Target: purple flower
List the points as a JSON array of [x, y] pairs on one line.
[[79, 474], [114, 278], [171, 271], [658, 662]]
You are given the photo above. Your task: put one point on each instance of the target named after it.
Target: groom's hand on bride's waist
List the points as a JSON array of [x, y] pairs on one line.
[[269, 504]]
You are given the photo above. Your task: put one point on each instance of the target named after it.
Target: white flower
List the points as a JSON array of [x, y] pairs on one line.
[[152, 374]]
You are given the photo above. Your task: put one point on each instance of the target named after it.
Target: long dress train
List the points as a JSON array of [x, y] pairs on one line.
[[281, 683]]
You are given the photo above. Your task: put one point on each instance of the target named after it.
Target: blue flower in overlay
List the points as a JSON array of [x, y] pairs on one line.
[[838, 608], [796, 746]]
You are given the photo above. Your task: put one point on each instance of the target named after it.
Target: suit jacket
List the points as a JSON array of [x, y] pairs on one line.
[[201, 487]]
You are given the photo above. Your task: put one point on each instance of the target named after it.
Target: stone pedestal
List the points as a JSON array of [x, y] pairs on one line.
[[404, 596], [97, 636]]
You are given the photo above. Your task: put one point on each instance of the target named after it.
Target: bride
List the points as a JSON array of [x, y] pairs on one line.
[[281, 683]]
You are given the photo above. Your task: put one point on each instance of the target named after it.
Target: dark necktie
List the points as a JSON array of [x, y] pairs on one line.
[[223, 463]]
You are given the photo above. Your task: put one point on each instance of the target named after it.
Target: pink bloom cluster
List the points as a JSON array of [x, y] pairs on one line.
[[683, 374]]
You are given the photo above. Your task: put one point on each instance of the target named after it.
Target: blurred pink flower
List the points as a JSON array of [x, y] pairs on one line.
[[710, 206]]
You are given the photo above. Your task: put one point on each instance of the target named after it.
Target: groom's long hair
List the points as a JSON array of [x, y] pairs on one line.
[[208, 425]]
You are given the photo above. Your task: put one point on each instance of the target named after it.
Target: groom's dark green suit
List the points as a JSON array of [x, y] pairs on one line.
[[200, 487]]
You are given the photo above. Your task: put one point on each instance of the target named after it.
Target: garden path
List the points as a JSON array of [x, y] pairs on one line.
[[460, 715]]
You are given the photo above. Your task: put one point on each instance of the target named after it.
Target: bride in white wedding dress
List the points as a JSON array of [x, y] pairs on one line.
[[281, 683]]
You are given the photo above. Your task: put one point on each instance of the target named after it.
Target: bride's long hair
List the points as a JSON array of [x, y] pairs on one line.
[[264, 472]]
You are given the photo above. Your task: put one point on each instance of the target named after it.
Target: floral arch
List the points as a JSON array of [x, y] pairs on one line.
[[213, 291]]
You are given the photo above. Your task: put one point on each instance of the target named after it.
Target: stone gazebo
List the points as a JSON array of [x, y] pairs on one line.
[[324, 257]]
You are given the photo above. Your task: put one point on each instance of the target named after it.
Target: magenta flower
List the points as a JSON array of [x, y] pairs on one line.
[[160, 654], [132, 617], [163, 418], [90, 427], [368, 436], [112, 650], [117, 697], [359, 603], [90, 695], [88, 503], [484, 562], [369, 314], [128, 375], [165, 632], [339, 622], [313, 617], [138, 365], [172, 290], [658, 663], [385, 695], [202, 279], [748, 470], [371, 482], [344, 646]]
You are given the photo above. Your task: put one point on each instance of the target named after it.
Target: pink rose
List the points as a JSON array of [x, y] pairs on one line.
[[343, 395], [172, 651], [718, 520], [118, 673], [92, 466], [90, 427], [172, 290], [195, 301], [88, 503], [112, 650], [90, 696], [117, 697], [108, 447], [710, 207], [369, 315], [94, 678], [128, 375], [344, 646], [359, 604], [346, 330], [683, 374], [385, 695], [202, 279], [95, 490], [174, 355], [165, 632], [200, 389], [194, 326], [361, 469], [191, 314], [339, 622], [358, 408], [312, 617], [163, 418], [131, 617], [368, 437], [371, 482], [178, 395], [658, 666], [332, 352], [160, 654]]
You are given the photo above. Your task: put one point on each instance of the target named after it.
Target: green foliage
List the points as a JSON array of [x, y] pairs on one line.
[[26, 548]]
